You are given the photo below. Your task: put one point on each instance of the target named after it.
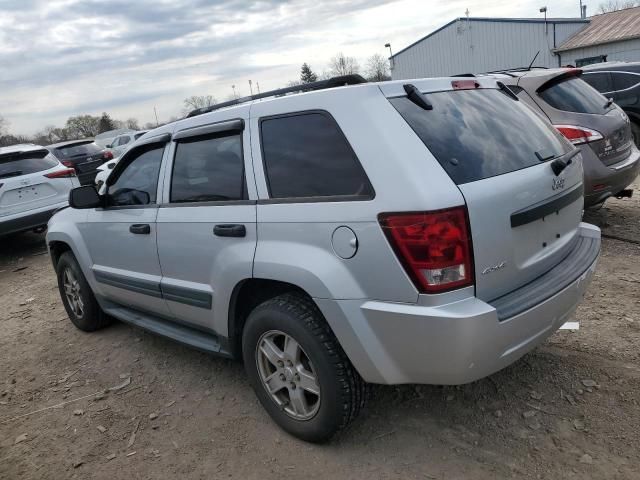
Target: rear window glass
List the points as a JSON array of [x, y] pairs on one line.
[[77, 150], [306, 155], [477, 134], [16, 164], [574, 95]]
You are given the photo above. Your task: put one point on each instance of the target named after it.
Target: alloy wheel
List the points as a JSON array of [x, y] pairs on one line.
[[72, 292], [287, 374]]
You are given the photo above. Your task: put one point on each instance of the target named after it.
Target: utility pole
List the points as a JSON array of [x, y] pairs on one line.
[[258, 87], [250, 88], [156, 113], [233, 87]]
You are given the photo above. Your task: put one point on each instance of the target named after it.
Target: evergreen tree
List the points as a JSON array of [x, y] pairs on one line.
[[307, 75], [105, 123]]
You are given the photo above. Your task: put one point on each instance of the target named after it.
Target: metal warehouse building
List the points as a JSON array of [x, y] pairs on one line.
[[608, 37], [484, 44], [474, 45]]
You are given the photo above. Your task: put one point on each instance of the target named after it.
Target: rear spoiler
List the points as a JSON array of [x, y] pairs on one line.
[[21, 154], [569, 73]]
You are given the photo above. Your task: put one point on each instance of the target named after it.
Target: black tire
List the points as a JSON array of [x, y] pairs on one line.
[[92, 317], [635, 131], [342, 390]]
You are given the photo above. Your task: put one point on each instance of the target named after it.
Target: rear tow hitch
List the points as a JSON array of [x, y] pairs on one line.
[[626, 193]]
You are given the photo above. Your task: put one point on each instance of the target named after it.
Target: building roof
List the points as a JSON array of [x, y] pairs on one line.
[[606, 28], [495, 20]]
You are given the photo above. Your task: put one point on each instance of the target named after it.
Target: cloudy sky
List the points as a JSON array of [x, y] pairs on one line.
[[67, 57]]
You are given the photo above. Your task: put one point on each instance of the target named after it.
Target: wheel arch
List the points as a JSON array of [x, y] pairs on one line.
[[247, 295]]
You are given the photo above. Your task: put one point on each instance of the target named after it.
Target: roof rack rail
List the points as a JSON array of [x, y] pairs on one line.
[[304, 87]]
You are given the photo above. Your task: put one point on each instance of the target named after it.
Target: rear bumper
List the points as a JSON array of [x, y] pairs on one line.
[[21, 222], [456, 343], [610, 179]]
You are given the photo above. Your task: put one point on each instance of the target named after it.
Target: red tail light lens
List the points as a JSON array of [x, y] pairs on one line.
[[67, 163], [434, 247], [464, 84], [69, 172], [107, 155], [578, 135]]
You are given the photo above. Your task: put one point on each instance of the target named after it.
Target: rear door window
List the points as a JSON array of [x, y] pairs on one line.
[[601, 81], [208, 170], [477, 134], [574, 95], [23, 163], [307, 155]]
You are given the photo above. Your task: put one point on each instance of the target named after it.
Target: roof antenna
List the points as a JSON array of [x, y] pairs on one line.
[[534, 59]]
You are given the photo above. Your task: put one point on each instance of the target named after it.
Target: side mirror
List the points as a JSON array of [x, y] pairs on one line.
[[84, 197], [109, 146]]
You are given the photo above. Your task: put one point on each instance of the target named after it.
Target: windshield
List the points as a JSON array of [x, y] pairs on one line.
[[24, 163], [575, 95], [477, 134], [77, 150]]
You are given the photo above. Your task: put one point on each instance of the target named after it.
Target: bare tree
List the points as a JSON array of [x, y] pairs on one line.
[[198, 101], [4, 126], [132, 123], [615, 5], [343, 65], [377, 68], [82, 126]]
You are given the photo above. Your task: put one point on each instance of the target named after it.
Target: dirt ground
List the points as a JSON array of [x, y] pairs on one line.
[[570, 409]]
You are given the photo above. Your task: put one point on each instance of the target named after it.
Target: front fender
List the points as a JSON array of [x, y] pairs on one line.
[[63, 228]]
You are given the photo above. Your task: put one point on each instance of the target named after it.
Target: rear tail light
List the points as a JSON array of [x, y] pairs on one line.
[[434, 247], [69, 172], [107, 155], [67, 163], [578, 135]]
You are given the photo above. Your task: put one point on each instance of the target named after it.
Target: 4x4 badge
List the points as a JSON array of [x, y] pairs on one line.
[[558, 183]]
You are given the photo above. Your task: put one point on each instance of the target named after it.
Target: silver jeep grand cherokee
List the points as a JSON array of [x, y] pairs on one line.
[[426, 231]]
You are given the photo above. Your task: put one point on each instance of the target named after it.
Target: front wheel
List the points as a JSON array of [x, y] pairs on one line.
[[298, 370], [77, 297]]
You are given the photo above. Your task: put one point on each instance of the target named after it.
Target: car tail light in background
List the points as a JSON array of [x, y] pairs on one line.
[[464, 84], [578, 135], [107, 155], [67, 163], [434, 247], [69, 172]]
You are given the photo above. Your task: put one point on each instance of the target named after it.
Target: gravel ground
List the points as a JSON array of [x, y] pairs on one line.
[[567, 410]]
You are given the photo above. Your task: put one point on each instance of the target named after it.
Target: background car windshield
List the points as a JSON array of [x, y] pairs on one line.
[[575, 95], [13, 165], [77, 150], [476, 134]]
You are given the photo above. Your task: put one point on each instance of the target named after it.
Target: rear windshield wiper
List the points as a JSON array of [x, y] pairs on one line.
[[543, 156], [417, 97], [16, 173]]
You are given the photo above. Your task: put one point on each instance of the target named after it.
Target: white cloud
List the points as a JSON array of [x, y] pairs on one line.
[[68, 57]]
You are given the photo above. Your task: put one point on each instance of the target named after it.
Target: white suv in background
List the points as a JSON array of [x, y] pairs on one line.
[[33, 185]]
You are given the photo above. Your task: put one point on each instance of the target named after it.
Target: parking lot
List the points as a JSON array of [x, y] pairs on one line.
[[126, 404]]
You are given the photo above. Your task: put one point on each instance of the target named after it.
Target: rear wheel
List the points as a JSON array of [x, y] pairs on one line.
[[298, 370], [77, 297], [635, 131]]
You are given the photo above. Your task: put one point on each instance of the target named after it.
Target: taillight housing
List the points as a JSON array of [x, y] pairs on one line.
[[434, 247], [579, 135], [107, 155], [66, 173]]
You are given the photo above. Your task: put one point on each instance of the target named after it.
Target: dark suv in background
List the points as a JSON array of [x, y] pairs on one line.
[[590, 121], [621, 82], [84, 156]]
